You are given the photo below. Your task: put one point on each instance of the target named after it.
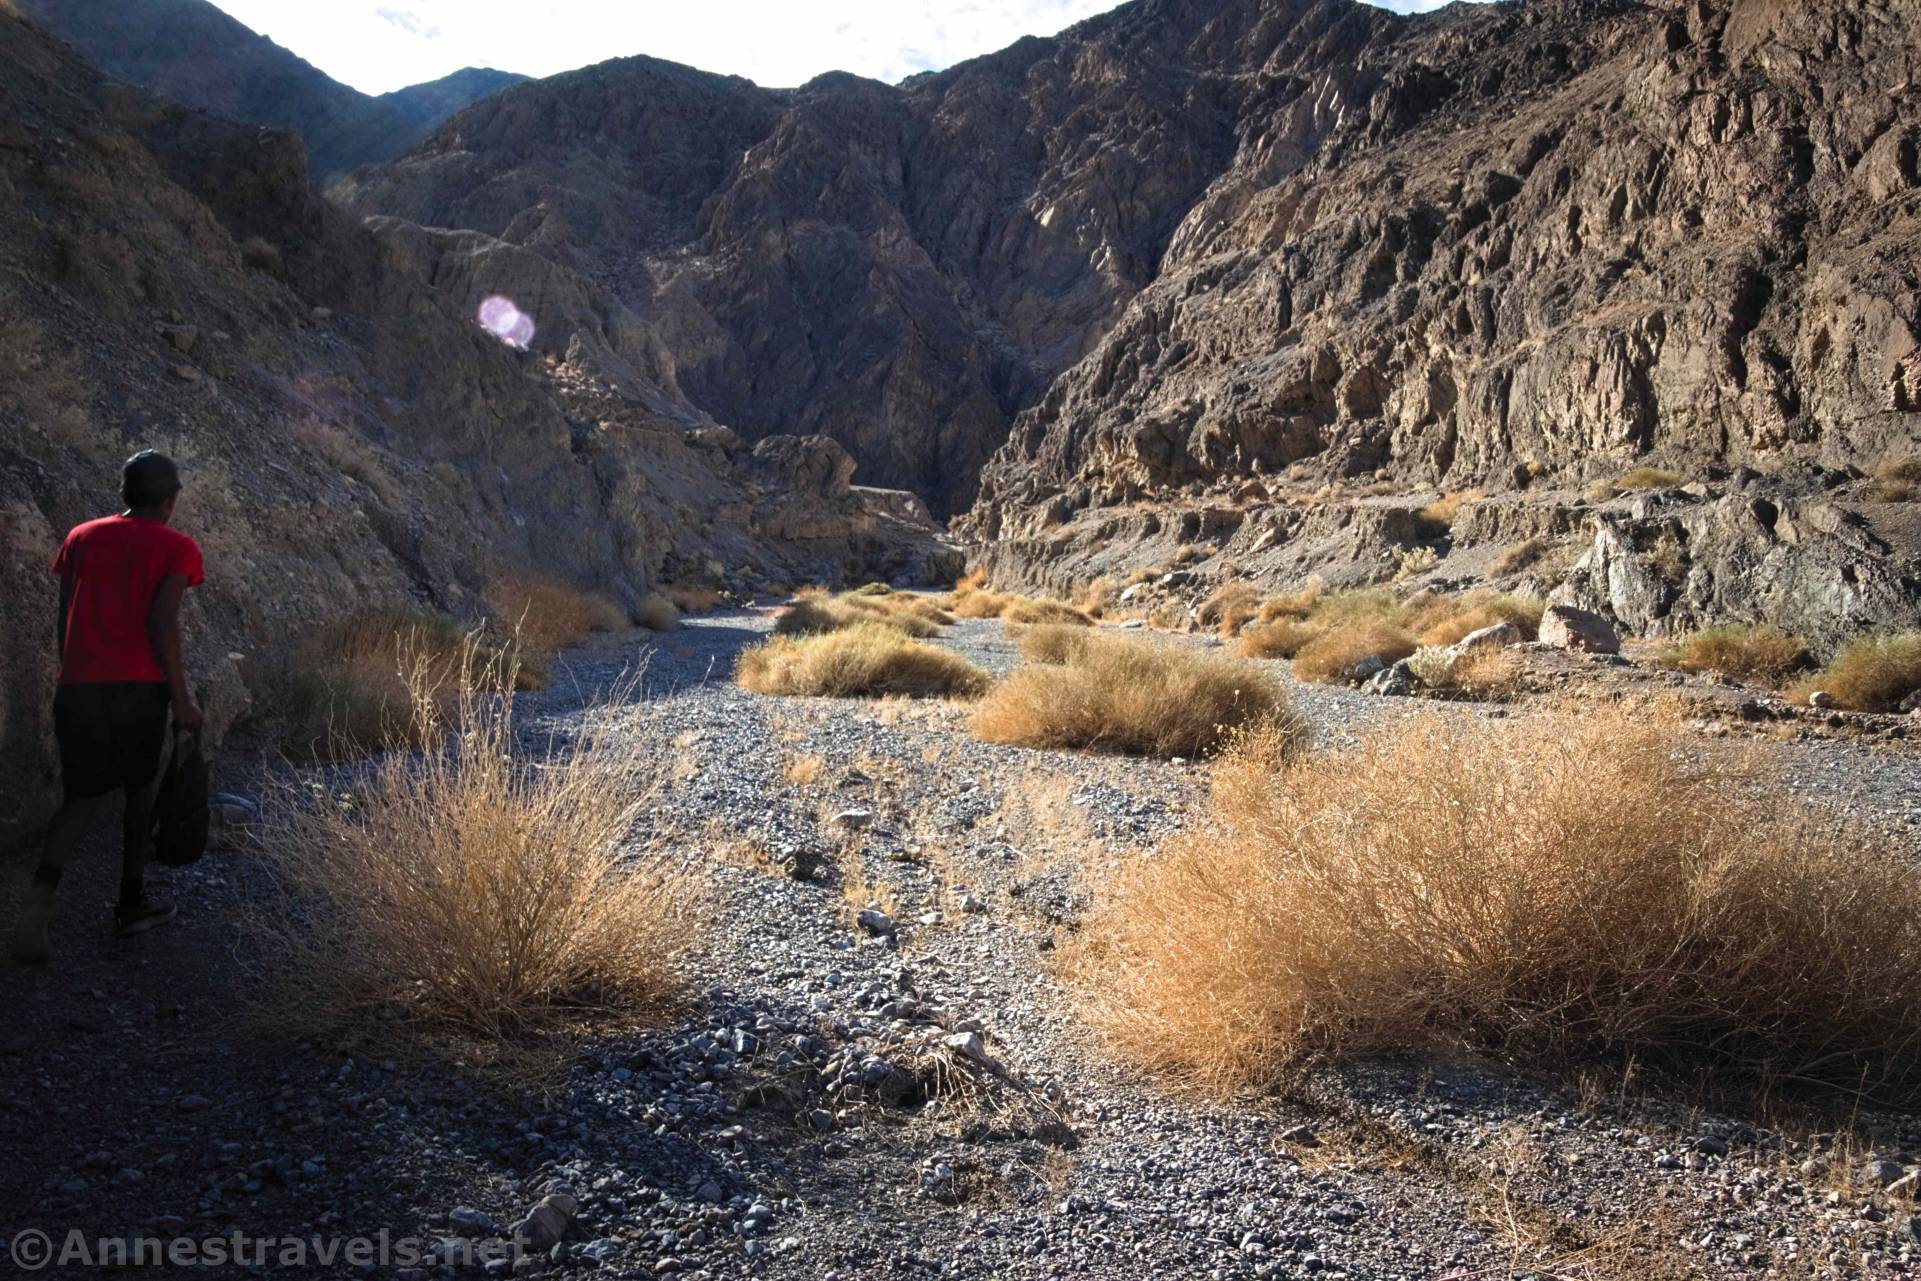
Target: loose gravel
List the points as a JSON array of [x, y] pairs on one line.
[[878, 1071]]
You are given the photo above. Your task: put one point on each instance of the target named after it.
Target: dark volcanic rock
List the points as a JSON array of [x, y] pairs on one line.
[[900, 268], [191, 52], [1560, 237], [1196, 239]]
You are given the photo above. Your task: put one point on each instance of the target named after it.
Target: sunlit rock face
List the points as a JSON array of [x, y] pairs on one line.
[[1216, 237]]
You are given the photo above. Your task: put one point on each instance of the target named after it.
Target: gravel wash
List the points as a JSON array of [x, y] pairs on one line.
[[878, 1071]]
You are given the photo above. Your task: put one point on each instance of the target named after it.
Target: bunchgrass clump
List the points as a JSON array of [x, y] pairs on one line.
[[917, 616], [1296, 604], [547, 616], [1562, 891], [1873, 674], [1764, 655], [1239, 597], [1647, 478], [1334, 656], [473, 887], [346, 692], [1022, 611], [1282, 638], [657, 613], [1519, 558], [1133, 697], [1437, 518], [1470, 614], [868, 660], [1050, 642]]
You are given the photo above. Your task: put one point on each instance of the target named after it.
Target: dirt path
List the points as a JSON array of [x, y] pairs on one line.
[[821, 1108]]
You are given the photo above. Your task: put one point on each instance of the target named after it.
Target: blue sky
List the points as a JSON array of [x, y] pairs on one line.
[[378, 45]]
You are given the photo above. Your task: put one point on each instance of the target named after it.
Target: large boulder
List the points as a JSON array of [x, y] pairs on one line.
[[1566, 627]]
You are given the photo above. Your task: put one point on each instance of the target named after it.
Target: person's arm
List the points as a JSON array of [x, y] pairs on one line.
[[163, 630], [60, 619]]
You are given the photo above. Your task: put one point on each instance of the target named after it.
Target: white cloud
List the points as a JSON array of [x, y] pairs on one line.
[[377, 46]]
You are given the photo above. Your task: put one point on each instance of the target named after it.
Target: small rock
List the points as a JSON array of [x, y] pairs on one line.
[[1821, 699], [1133, 624], [1368, 667], [1709, 1145], [967, 1044], [1881, 1171], [1301, 1135], [710, 1192], [852, 820], [477, 1222], [1499, 636], [1397, 681], [322, 313], [875, 921], [180, 337], [186, 373], [546, 1223]]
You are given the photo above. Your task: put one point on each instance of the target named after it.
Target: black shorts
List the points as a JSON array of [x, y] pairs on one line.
[[111, 735]]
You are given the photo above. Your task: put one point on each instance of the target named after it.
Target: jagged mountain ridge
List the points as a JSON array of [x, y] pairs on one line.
[[900, 267], [1186, 193], [192, 52]]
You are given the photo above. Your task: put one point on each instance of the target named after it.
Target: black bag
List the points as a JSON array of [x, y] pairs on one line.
[[180, 806]]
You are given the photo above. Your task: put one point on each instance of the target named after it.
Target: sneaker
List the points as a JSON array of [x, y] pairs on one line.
[[128, 921], [30, 931]]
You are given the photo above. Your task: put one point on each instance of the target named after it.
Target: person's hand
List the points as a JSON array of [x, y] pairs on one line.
[[186, 713]]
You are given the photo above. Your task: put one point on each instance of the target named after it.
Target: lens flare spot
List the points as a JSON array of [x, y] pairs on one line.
[[507, 322]]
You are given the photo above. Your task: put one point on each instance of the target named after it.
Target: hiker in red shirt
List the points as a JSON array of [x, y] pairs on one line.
[[121, 581]]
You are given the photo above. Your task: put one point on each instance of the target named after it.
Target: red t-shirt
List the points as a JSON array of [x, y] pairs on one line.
[[115, 565]]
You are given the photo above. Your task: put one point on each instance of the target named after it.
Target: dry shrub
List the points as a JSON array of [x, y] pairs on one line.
[[549, 616], [889, 611], [1437, 517], [1897, 478], [1051, 642], [1764, 654], [473, 887], [657, 614], [1282, 638], [1331, 657], [980, 604], [1140, 576], [1647, 478], [1297, 604], [1131, 696], [865, 661], [1191, 554], [1360, 604], [1486, 671], [348, 691], [972, 581], [1566, 889], [815, 614], [1459, 619], [1024, 612], [1237, 616], [1094, 598], [693, 598], [1873, 674], [811, 615], [1171, 616], [1238, 596], [1521, 556]]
